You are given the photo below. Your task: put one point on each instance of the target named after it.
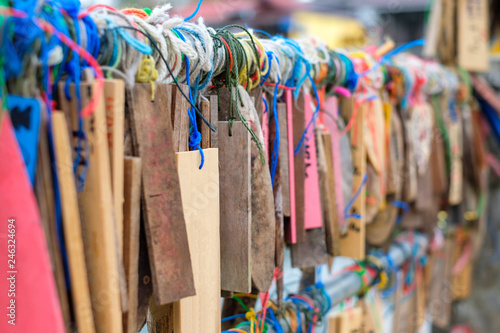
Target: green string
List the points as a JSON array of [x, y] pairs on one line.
[[231, 77], [241, 303]]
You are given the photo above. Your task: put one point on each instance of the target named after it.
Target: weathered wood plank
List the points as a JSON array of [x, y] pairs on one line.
[[235, 207], [162, 204], [131, 237], [352, 244], [204, 129], [180, 117]]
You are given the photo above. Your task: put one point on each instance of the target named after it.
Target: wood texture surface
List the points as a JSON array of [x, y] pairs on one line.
[[162, 204], [114, 97], [235, 207], [204, 129], [72, 226], [352, 244], [327, 188], [131, 237], [200, 200], [180, 117], [283, 159], [97, 214], [214, 121], [300, 167]]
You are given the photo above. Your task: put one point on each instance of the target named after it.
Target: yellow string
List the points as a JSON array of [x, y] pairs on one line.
[[236, 330], [251, 316], [147, 73]]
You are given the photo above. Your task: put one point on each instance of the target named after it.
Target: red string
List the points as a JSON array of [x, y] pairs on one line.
[[279, 86], [230, 55], [89, 109]]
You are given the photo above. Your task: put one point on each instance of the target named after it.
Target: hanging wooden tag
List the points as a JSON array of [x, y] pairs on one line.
[[46, 197], [32, 304], [114, 97], [440, 284], [200, 201], [263, 223], [378, 232], [312, 203], [342, 160], [373, 194], [131, 237], [349, 321], [180, 117], [214, 119], [439, 178], [299, 126], [421, 299], [97, 212], [456, 176], [352, 244], [473, 35], [291, 223], [312, 251], [371, 316], [162, 204], [410, 169], [328, 197], [462, 266], [446, 45], [72, 227], [204, 129], [283, 158], [235, 207]]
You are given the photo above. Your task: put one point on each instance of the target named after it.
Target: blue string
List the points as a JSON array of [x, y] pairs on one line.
[[276, 142], [194, 134], [195, 12], [312, 122], [403, 205], [265, 104], [356, 195], [232, 317], [276, 324], [389, 55], [351, 77]]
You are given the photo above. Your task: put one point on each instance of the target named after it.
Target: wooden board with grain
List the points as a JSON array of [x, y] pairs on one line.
[[114, 97], [263, 223], [328, 198], [131, 237], [283, 159], [299, 166], [473, 35], [213, 121], [312, 251], [200, 200], [180, 117], [352, 244], [96, 210], [235, 207], [161, 198], [72, 226], [204, 129]]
